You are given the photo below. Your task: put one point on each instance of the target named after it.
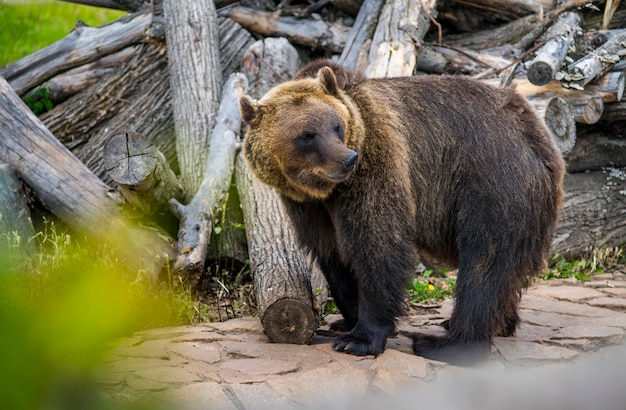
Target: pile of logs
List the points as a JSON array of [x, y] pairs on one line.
[[145, 118]]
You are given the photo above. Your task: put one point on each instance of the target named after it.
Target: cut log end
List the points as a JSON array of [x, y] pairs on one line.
[[561, 124], [289, 321], [540, 73]]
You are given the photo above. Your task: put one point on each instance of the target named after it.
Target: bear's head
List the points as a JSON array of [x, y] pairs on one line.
[[303, 136]]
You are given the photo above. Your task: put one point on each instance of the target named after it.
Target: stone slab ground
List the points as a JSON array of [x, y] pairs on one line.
[[568, 353]]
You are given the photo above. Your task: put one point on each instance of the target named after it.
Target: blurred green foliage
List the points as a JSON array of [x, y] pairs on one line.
[[60, 310], [28, 26]]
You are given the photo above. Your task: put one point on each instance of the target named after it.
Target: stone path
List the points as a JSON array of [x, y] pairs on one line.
[[568, 327]]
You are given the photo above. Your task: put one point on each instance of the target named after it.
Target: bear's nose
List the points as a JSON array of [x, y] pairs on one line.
[[350, 160]]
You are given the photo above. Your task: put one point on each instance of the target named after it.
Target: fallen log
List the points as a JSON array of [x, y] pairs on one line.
[[317, 34], [549, 58], [361, 33], [83, 45], [503, 35], [61, 87], [450, 60], [198, 218], [594, 213], [510, 8], [287, 308], [557, 116], [16, 230], [615, 112], [66, 187], [195, 83], [600, 146], [141, 173], [400, 30], [594, 65]]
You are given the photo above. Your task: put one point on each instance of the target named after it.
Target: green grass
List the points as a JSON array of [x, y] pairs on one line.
[[61, 306], [32, 25], [428, 290]]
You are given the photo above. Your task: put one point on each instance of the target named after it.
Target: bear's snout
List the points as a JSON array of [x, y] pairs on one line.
[[350, 160]]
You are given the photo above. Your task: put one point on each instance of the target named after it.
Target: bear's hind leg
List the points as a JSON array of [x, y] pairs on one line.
[[485, 306]]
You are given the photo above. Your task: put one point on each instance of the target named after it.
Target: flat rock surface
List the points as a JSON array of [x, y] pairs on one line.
[[568, 352]]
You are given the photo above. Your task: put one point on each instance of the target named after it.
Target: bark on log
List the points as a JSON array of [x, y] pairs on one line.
[[317, 34], [549, 58], [600, 146], [400, 30], [510, 8], [361, 32], [594, 65], [67, 187], [141, 173], [287, 308], [195, 83], [586, 107], [594, 213], [615, 112], [440, 60], [65, 85], [16, 230], [508, 33], [83, 45], [198, 219]]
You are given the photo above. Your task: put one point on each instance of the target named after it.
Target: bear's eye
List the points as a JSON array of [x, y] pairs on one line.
[[339, 131], [306, 137]]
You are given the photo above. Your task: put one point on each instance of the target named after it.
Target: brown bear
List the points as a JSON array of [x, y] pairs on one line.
[[373, 171]]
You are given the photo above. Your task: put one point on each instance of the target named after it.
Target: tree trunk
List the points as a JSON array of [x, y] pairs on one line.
[[287, 309], [317, 34], [549, 58], [67, 187], [600, 146], [141, 173], [195, 82], [198, 219], [83, 45], [16, 230], [594, 213], [401, 27], [361, 33]]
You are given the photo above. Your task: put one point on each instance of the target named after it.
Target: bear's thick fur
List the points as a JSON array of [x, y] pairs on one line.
[[373, 171]]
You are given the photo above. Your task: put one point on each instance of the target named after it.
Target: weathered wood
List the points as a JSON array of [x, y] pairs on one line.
[[499, 36], [83, 45], [317, 34], [615, 112], [510, 8], [441, 59], [400, 30], [141, 173], [594, 65], [594, 213], [557, 116], [67, 187], [600, 146], [199, 217], [16, 230], [195, 82], [126, 5], [361, 32], [586, 106], [287, 308], [549, 58], [69, 83]]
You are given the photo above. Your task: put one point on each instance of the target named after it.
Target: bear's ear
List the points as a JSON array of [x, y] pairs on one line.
[[249, 109], [326, 76]]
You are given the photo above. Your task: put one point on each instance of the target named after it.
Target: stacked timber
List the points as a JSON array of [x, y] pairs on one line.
[[140, 113]]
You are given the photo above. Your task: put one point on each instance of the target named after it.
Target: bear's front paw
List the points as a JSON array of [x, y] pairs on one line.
[[357, 346]]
